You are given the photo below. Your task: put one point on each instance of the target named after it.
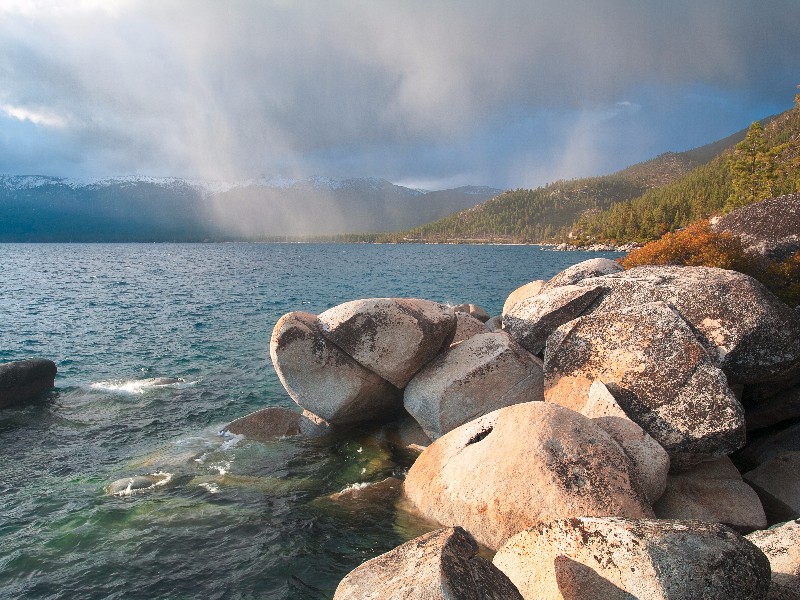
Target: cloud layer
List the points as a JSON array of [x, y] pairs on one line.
[[509, 94]]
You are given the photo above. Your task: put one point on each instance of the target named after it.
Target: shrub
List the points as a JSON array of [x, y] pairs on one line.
[[699, 246]]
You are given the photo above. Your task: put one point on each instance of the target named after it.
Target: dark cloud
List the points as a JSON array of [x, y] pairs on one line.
[[509, 93]]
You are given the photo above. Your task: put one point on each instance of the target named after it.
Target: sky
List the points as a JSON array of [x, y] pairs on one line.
[[430, 93]]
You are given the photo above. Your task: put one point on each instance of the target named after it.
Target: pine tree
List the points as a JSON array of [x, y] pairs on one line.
[[752, 168]]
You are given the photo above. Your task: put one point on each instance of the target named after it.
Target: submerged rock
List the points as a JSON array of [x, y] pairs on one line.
[[128, 486], [521, 465], [393, 337], [324, 380], [381, 492], [592, 558], [781, 544], [486, 372], [24, 380], [657, 371], [440, 565], [277, 422]]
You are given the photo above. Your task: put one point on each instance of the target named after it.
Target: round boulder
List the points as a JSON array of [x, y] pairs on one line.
[[276, 422], [393, 337], [520, 465], [324, 380], [466, 327], [24, 380], [481, 374], [594, 267], [529, 290]]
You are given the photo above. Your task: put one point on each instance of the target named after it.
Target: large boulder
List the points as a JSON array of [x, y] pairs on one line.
[[529, 290], [770, 228], [276, 422], [393, 337], [649, 458], [324, 380], [777, 482], [441, 565], [594, 267], [749, 333], [24, 380], [520, 465], [658, 372], [619, 559], [713, 492], [532, 320], [486, 372], [769, 445], [781, 544]]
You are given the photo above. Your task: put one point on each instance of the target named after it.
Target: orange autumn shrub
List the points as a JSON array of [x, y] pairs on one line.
[[699, 246]]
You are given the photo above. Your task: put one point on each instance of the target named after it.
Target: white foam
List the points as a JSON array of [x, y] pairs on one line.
[[212, 488], [140, 386], [129, 491], [222, 468]]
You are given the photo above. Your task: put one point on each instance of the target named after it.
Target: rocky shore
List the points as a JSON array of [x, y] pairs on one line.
[[618, 434]]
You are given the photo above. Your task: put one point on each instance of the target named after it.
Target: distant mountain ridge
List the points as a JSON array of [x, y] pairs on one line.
[[42, 208]]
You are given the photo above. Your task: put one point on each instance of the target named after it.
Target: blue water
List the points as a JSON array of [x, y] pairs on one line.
[[238, 519]]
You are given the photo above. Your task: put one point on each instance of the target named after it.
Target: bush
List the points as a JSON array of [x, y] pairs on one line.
[[699, 246]]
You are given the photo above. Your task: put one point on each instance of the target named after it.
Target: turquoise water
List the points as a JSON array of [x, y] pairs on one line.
[[237, 519]]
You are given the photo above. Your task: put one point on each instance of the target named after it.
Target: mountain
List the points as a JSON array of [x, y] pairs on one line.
[[35, 208], [635, 204], [524, 215]]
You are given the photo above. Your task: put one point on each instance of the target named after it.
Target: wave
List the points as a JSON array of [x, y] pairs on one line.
[[141, 386]]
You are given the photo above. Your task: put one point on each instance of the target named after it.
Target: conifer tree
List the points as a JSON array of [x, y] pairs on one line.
[[752, 168]]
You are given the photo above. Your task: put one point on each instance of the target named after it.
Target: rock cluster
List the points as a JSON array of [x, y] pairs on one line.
[[594, 436]]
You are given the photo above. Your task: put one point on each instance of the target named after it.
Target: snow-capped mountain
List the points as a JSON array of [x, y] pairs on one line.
[[169, 208]]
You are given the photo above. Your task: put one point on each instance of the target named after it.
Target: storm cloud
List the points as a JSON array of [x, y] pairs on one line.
[[512, 93]]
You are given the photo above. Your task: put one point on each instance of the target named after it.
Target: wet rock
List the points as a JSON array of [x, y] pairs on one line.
[[649, 458], [520, 465], [324, 380], [532, 320], [749, 333], [486, 372], [713, 492], [393, 337], [590, 558], [529, 290], [406, 432], [382, 492], [657, 371], [466, 327], [440, 565], [594, 267], [277, 422], [781, 544], [777, 482], [24, 380], [473, 310], [770, 228], [128, 486]]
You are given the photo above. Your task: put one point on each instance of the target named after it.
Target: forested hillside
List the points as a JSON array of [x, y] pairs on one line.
[[764, 164], [524, 215]]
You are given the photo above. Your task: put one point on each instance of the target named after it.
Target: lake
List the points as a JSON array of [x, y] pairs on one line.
[[237, 518]]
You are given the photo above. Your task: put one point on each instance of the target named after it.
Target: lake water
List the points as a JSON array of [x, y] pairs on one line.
[[238, 519]]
